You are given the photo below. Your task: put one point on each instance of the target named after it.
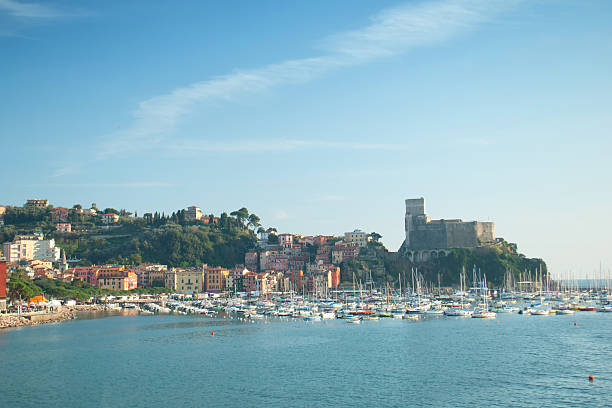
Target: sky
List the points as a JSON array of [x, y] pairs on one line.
[[320, 117]]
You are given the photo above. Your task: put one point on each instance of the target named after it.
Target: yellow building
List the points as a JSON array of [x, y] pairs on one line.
[[185, 280], [126, 282]]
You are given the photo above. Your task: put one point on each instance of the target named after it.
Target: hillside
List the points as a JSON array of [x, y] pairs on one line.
[[389, 267], [169, 240]]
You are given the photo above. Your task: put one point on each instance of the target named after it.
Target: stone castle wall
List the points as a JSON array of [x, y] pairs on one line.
[[425, 234]]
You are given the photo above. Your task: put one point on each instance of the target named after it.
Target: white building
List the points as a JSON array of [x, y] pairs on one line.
[[110, 218], [31, 247], [193, 213], [356, 237]]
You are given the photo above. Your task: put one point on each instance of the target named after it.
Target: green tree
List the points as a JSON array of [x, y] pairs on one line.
[[20, 287], [242, 215], [253, 221], [375, 236]]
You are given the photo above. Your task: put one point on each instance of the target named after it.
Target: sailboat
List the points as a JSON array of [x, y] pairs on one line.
[[461, 312], [484, 313]]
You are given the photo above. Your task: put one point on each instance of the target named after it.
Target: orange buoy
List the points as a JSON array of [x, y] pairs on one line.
[[591, 378], [212, 333]]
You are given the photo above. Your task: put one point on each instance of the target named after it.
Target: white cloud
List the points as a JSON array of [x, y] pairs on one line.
[[29, 10], [393, 31]]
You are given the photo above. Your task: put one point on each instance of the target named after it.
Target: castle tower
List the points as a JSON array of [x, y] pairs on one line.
[[415, 209]]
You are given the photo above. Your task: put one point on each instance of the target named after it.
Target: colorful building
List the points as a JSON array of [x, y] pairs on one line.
[[183, 280], [215, 278], [2, 284]]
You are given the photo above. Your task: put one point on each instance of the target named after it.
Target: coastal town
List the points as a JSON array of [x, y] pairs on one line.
[[277, 263], [275, 266]]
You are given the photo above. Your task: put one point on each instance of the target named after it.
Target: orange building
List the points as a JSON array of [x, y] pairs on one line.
[[215, 278], [126, 282]]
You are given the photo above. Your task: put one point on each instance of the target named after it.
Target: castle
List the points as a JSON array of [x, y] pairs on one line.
[[427, 238]]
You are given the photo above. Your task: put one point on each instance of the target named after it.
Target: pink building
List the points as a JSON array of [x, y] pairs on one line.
[[63, 227], [61, 214], [285, 240]]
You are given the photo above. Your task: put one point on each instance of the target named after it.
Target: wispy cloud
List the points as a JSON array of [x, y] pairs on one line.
[[391, 32], [281, 215], [29, 10], [274, 145], [477, 141], [329, 198], [135, 184], [63, 170]]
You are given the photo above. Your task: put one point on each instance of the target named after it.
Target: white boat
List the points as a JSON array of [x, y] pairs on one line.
[[507, 309], [328, 315], [484, 314], [353, 320], [565, 312], [457, 312], [434, 312], [540, 312]]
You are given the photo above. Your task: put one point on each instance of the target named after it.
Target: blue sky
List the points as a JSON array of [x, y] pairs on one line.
[[320, 117]]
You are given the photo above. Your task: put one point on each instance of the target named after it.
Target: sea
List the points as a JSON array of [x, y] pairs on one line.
[[176, 361]]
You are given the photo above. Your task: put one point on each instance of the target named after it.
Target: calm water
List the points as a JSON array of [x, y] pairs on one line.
[[173, 361]]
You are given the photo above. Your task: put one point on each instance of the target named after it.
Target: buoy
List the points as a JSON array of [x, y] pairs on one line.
[[575, 324], [212, 333], [591, 378]]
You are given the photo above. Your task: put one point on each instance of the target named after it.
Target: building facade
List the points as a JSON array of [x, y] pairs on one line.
[[185, 280], [30, 247], [110, 218], [193, 213], [216, 278], [37, 203], [356, 237]]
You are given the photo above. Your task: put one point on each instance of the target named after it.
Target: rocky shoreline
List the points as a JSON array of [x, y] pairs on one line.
[[36, 318]]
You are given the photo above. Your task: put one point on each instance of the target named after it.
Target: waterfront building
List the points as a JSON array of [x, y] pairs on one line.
[[356, 237], [150, 275], [126, 280], [29, 247], [105, 275], [193, 213], [37, 203], [182, 280], [216, 278], [2, 284]]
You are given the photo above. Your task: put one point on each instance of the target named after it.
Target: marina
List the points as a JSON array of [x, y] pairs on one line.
[[192, 360]]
